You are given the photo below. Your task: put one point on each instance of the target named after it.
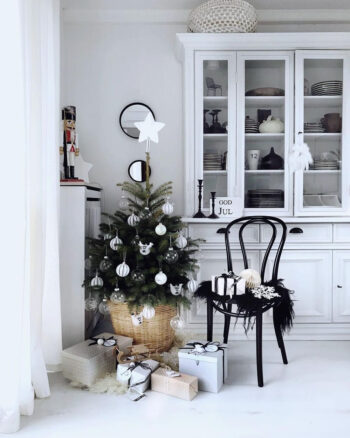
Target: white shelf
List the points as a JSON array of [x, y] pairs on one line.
[[322, 101], [215, 137], [215, 172], [264, 137], [323, 135], [264, 171], [315, 172], [264, 101], [214, 102]]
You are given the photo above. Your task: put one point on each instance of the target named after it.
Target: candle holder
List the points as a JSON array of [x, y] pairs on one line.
[[213, 215], [200, 214]]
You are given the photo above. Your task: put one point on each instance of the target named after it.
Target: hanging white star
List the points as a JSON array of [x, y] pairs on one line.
[[149, 129]]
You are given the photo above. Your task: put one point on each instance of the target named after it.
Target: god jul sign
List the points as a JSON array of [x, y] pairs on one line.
[[226, 207]]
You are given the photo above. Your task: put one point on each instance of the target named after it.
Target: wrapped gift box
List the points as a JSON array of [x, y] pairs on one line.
[[210, 368], [85, 364], [141, 376], [182, 386], [224, 285]]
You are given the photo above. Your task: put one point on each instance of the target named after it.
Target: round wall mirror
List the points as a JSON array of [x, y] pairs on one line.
[[135, 112], [137, 171]]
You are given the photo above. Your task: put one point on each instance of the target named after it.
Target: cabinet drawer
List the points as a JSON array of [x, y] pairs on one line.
[[304, 233], [209, 233], [341, 233]]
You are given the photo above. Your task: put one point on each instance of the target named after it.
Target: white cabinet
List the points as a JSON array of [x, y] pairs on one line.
[[341, 286]]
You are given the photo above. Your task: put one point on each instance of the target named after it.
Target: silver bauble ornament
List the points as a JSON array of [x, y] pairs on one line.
[[100, 341], [115, 243], [160, 229], [133, 220], [146, 212], [171, 256], [160, 278], [91, 303], [137, 319], [117, 296], [138, 276], [177, 323], [176, 289], [103, 307], [122, 270], [192, 286], [148, 312], [181, 242], [96, 282], [145, 248], [105, 264], [167, 208]]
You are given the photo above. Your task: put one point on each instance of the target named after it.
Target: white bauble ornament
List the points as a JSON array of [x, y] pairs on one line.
[[133, 220], [167, 208], [103, 307], [160, 278], [100, 341], [122, 270], [115, 243], [181, 242], [148, 312], [96, 282], [192, 286], [145, 248], [177, 323], [160, 229], [117, 296], [137, 318], [252, 278], [176, 289]]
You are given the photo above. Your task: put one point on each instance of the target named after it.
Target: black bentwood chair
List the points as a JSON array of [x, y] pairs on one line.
[[224, 304]]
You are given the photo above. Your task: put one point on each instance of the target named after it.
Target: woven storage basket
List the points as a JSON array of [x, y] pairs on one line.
[[155, 332], [223, 16]]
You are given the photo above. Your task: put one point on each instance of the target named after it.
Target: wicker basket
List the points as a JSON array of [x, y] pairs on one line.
[[223, 16], [155, 332]]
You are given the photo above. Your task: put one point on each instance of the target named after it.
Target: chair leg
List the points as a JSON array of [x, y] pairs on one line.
[[209, 320], [227, 323], [279, 338], [259, 364]]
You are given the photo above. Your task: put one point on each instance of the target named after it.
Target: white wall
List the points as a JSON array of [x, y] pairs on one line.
[[105, 66]]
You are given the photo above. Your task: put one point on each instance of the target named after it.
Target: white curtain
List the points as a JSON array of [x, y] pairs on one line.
[[30, 320]]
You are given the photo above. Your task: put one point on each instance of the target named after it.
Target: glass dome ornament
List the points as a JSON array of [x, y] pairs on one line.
[[123, 203], [96, 282], [103, 307], [117, 296], [148, 312], [135, 241], [137, 275], [91, 303], [116, 242], [171, 256], [167, 208], [177, 322], [181, 241], [133, 220], [160, 229], [106, 263], [160, 278]]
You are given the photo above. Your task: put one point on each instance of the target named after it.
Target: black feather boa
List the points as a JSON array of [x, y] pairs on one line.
[[248, 305]]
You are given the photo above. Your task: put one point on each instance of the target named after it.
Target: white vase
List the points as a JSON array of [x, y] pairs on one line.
[[253, 159]]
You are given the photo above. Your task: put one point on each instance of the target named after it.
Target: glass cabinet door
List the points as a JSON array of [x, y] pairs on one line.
[[264, 130], [321, 111], [215, 98]]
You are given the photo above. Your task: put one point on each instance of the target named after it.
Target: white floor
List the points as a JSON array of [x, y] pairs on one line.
[[308, 398]]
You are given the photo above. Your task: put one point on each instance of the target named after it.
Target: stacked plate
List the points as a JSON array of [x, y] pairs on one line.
[[325, 165], [212, 161], [327, 88], [313, 127], [251, 126], [265, 198]]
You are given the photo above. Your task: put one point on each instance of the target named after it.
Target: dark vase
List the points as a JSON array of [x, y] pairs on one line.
[[272, 161]]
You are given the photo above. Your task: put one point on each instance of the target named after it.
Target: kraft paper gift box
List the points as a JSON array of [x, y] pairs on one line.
[[210, 367], [84, 363], [224, 285], [182, 386]]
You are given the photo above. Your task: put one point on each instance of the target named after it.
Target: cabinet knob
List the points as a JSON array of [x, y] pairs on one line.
[[296, 230], [339, 286]]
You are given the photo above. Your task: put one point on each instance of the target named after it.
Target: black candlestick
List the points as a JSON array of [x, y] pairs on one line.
[[213, 215], [199, 213]]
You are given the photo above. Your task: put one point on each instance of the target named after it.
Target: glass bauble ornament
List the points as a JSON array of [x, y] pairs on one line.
[[160, 278], [176, 289], [122, 270], [160, 229], [192, 286], [91, 303], [171, 256], [148, 312], [88, 263], [181, 242], [138, 276], [116, 243], [135, 241], [108, 236], [117, 296], [105, 264], [133, 220], [167, 208], [103, 307], [137, 319], [123, 203], [146, 212], [177, 323], [145, 248], [96, 282]]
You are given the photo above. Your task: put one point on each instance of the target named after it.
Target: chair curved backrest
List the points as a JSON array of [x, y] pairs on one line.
[[210, 82], [274, 223]]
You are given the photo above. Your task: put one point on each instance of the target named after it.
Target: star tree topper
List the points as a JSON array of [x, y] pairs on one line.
[[149, 129]]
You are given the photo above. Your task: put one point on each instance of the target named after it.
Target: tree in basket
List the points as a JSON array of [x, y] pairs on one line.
[[142, 257]]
